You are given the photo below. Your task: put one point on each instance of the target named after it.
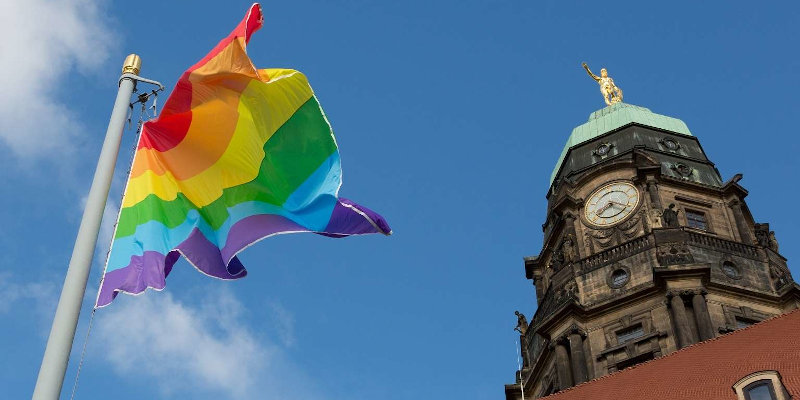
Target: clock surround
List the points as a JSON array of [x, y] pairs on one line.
[[611, 203]]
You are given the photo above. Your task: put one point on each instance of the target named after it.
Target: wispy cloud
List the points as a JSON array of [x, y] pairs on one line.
[[46, 41], [284, 323], [209, 348], [39, 296], [106, 232]]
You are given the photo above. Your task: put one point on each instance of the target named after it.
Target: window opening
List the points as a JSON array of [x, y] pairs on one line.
[[730, 270], [760, 390], [619, 278], [743, 323], [629, 334], [696, 220]]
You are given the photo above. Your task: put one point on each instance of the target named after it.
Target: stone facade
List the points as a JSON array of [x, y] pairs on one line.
[[659, 279]]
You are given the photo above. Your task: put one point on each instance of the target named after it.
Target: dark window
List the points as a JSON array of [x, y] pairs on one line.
[[729, 269], [696, 219], [619, 278], [635, 360], [743, 323], [629, 334], [760, 390]]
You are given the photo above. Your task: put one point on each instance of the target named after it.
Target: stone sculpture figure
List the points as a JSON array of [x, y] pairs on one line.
[[762, 234], [570, 289], [655, 218], [670, 217], [611, 93], [522, 323], [557, 260], [568, 248], [773, 243]]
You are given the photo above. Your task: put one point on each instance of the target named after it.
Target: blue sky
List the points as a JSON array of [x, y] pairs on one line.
[[449, 116]]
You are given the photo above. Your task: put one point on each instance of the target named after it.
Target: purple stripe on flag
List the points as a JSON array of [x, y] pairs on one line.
[[254, 228], [152, 268], [206, 257], [144, 271], [349, 218]]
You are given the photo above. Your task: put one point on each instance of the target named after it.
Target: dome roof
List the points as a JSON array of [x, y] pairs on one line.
[[616, 116]]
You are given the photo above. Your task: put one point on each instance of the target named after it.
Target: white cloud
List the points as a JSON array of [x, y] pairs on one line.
[[209, 349], [39, 296], [46, 41], [284, 323]]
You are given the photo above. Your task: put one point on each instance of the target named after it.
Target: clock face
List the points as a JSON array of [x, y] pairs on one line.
[[611, 203]]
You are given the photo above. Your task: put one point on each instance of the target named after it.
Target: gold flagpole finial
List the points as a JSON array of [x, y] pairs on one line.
[[132, 64]]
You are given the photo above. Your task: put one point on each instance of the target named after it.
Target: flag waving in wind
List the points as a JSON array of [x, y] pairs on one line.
[[238, 154]]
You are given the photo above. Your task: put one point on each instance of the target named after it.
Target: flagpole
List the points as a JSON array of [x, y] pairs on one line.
[[62, 333]]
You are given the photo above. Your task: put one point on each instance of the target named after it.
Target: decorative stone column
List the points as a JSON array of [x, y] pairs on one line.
[[563, 368], [741, 224], [578, 359], [702, 316], [682, 328]]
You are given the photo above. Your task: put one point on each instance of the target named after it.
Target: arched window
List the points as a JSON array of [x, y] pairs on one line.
[[760, 390], [762, 385]]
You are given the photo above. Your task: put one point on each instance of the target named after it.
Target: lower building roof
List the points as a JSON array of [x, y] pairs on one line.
[[706, 370]]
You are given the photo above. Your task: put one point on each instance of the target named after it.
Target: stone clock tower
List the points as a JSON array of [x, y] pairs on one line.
[[646, 250]]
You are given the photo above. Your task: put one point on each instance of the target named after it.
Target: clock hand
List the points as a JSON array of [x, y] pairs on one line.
[[605, 207]]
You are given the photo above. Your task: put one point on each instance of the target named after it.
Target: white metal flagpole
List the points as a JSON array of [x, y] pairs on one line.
[[62, 334]]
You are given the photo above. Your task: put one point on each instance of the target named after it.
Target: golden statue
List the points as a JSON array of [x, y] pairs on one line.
[[611, 93]]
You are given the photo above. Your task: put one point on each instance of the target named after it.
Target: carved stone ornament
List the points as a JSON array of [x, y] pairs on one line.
[[629, 228], [577, 330], [686, 292], [674, 254], [570, 289], [670, 143], [602, 149], [602, 237], [779, 276], [682, 169]]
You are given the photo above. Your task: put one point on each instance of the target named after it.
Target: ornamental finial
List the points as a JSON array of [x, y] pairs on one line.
[[611, 93]]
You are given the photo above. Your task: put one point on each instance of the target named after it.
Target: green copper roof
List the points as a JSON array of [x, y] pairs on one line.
[[616, 116]]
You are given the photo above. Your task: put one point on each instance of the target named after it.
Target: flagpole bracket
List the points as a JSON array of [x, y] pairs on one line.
[[137, 78]]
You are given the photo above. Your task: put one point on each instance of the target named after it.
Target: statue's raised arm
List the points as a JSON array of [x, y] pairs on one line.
[[586, 67], [611, 93]]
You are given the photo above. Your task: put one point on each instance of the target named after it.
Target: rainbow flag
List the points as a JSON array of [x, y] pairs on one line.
[[238, 154]]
